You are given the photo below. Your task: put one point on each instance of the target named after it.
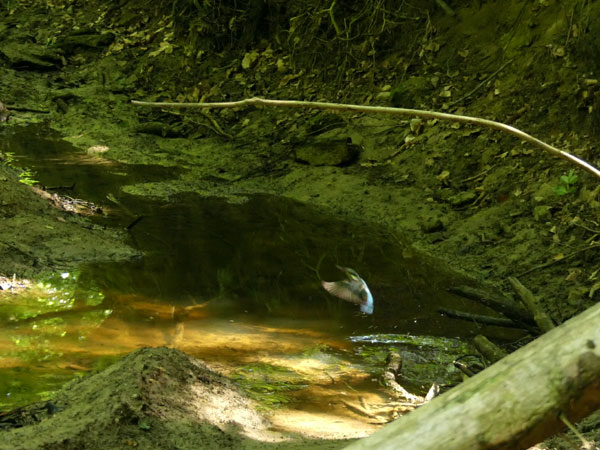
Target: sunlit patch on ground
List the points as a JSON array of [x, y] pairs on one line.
[[321, 424], [237, 286], [298, 376]]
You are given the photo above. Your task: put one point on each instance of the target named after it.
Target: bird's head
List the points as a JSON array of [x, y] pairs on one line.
[[351, 274]]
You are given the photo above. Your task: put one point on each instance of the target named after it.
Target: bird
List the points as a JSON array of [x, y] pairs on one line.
[[354, 289]]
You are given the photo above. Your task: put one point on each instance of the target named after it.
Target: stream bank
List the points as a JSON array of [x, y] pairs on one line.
[[480, 200], [153, 398], [486, 204]]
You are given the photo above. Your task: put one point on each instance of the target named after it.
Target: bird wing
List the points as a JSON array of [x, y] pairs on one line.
[[340, 289]]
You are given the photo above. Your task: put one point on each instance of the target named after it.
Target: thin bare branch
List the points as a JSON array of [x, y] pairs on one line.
[[257, 101]]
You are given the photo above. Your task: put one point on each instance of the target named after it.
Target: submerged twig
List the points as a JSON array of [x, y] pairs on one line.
[[257, 101], [479, 318], [488, 349], [134, 223], [542, 319]]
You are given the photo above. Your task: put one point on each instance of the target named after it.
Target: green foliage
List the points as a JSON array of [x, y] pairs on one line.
[[567, 184], [26, 176], [317, 350], [7, 158]]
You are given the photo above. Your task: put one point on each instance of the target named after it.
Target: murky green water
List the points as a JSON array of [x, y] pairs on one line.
[[235, 284]]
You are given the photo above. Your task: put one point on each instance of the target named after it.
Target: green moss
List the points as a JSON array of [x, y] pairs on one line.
[[268, 384], [425, 359]]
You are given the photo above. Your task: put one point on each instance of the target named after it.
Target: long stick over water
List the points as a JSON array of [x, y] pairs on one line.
[[257, 101]]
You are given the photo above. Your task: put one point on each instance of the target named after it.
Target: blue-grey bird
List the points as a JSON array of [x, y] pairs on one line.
[[354, 289]]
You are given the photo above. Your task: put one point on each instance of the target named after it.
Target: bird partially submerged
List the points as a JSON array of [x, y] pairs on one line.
[[354, 289]]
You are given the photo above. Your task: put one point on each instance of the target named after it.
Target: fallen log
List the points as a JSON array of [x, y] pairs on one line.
[[515, 403]]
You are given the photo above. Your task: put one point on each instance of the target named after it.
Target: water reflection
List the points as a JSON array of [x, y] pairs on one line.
[[237, 285], [266, 258]]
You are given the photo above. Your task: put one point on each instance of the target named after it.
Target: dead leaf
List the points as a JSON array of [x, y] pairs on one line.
[[573, 274], [558, 51], [445, 174], [249, 60]]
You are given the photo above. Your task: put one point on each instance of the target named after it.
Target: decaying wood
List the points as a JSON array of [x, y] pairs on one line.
[[464, 368], [497, 302], [488, 349], [404, 400], [478, 318], [391, 371], [540, 316], [342, 107], [585, 444], [514, 403]]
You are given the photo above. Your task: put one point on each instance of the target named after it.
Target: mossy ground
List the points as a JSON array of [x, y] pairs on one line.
[[481, 200]]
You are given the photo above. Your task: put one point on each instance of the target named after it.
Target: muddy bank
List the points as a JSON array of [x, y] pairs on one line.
[[489, 205], [480, 200], [152, 398], [36, 237]]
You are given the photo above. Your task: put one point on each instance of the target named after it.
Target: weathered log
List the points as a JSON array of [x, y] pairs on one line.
[[540, 316], [513, 404]]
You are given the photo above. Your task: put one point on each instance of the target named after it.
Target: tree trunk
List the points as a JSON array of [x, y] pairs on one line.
[[513, 404]]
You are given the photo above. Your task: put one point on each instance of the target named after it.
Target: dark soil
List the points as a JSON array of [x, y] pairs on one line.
[[37, 237], [484, 202]]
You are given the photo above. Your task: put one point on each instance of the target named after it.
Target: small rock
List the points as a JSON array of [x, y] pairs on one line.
[[545, 193], [542, 213], [87, 40], [384, 95], [411, 93], [577, 296], [96, 149], [332, 153], [462, 198], [31, 56], [432, 225]]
